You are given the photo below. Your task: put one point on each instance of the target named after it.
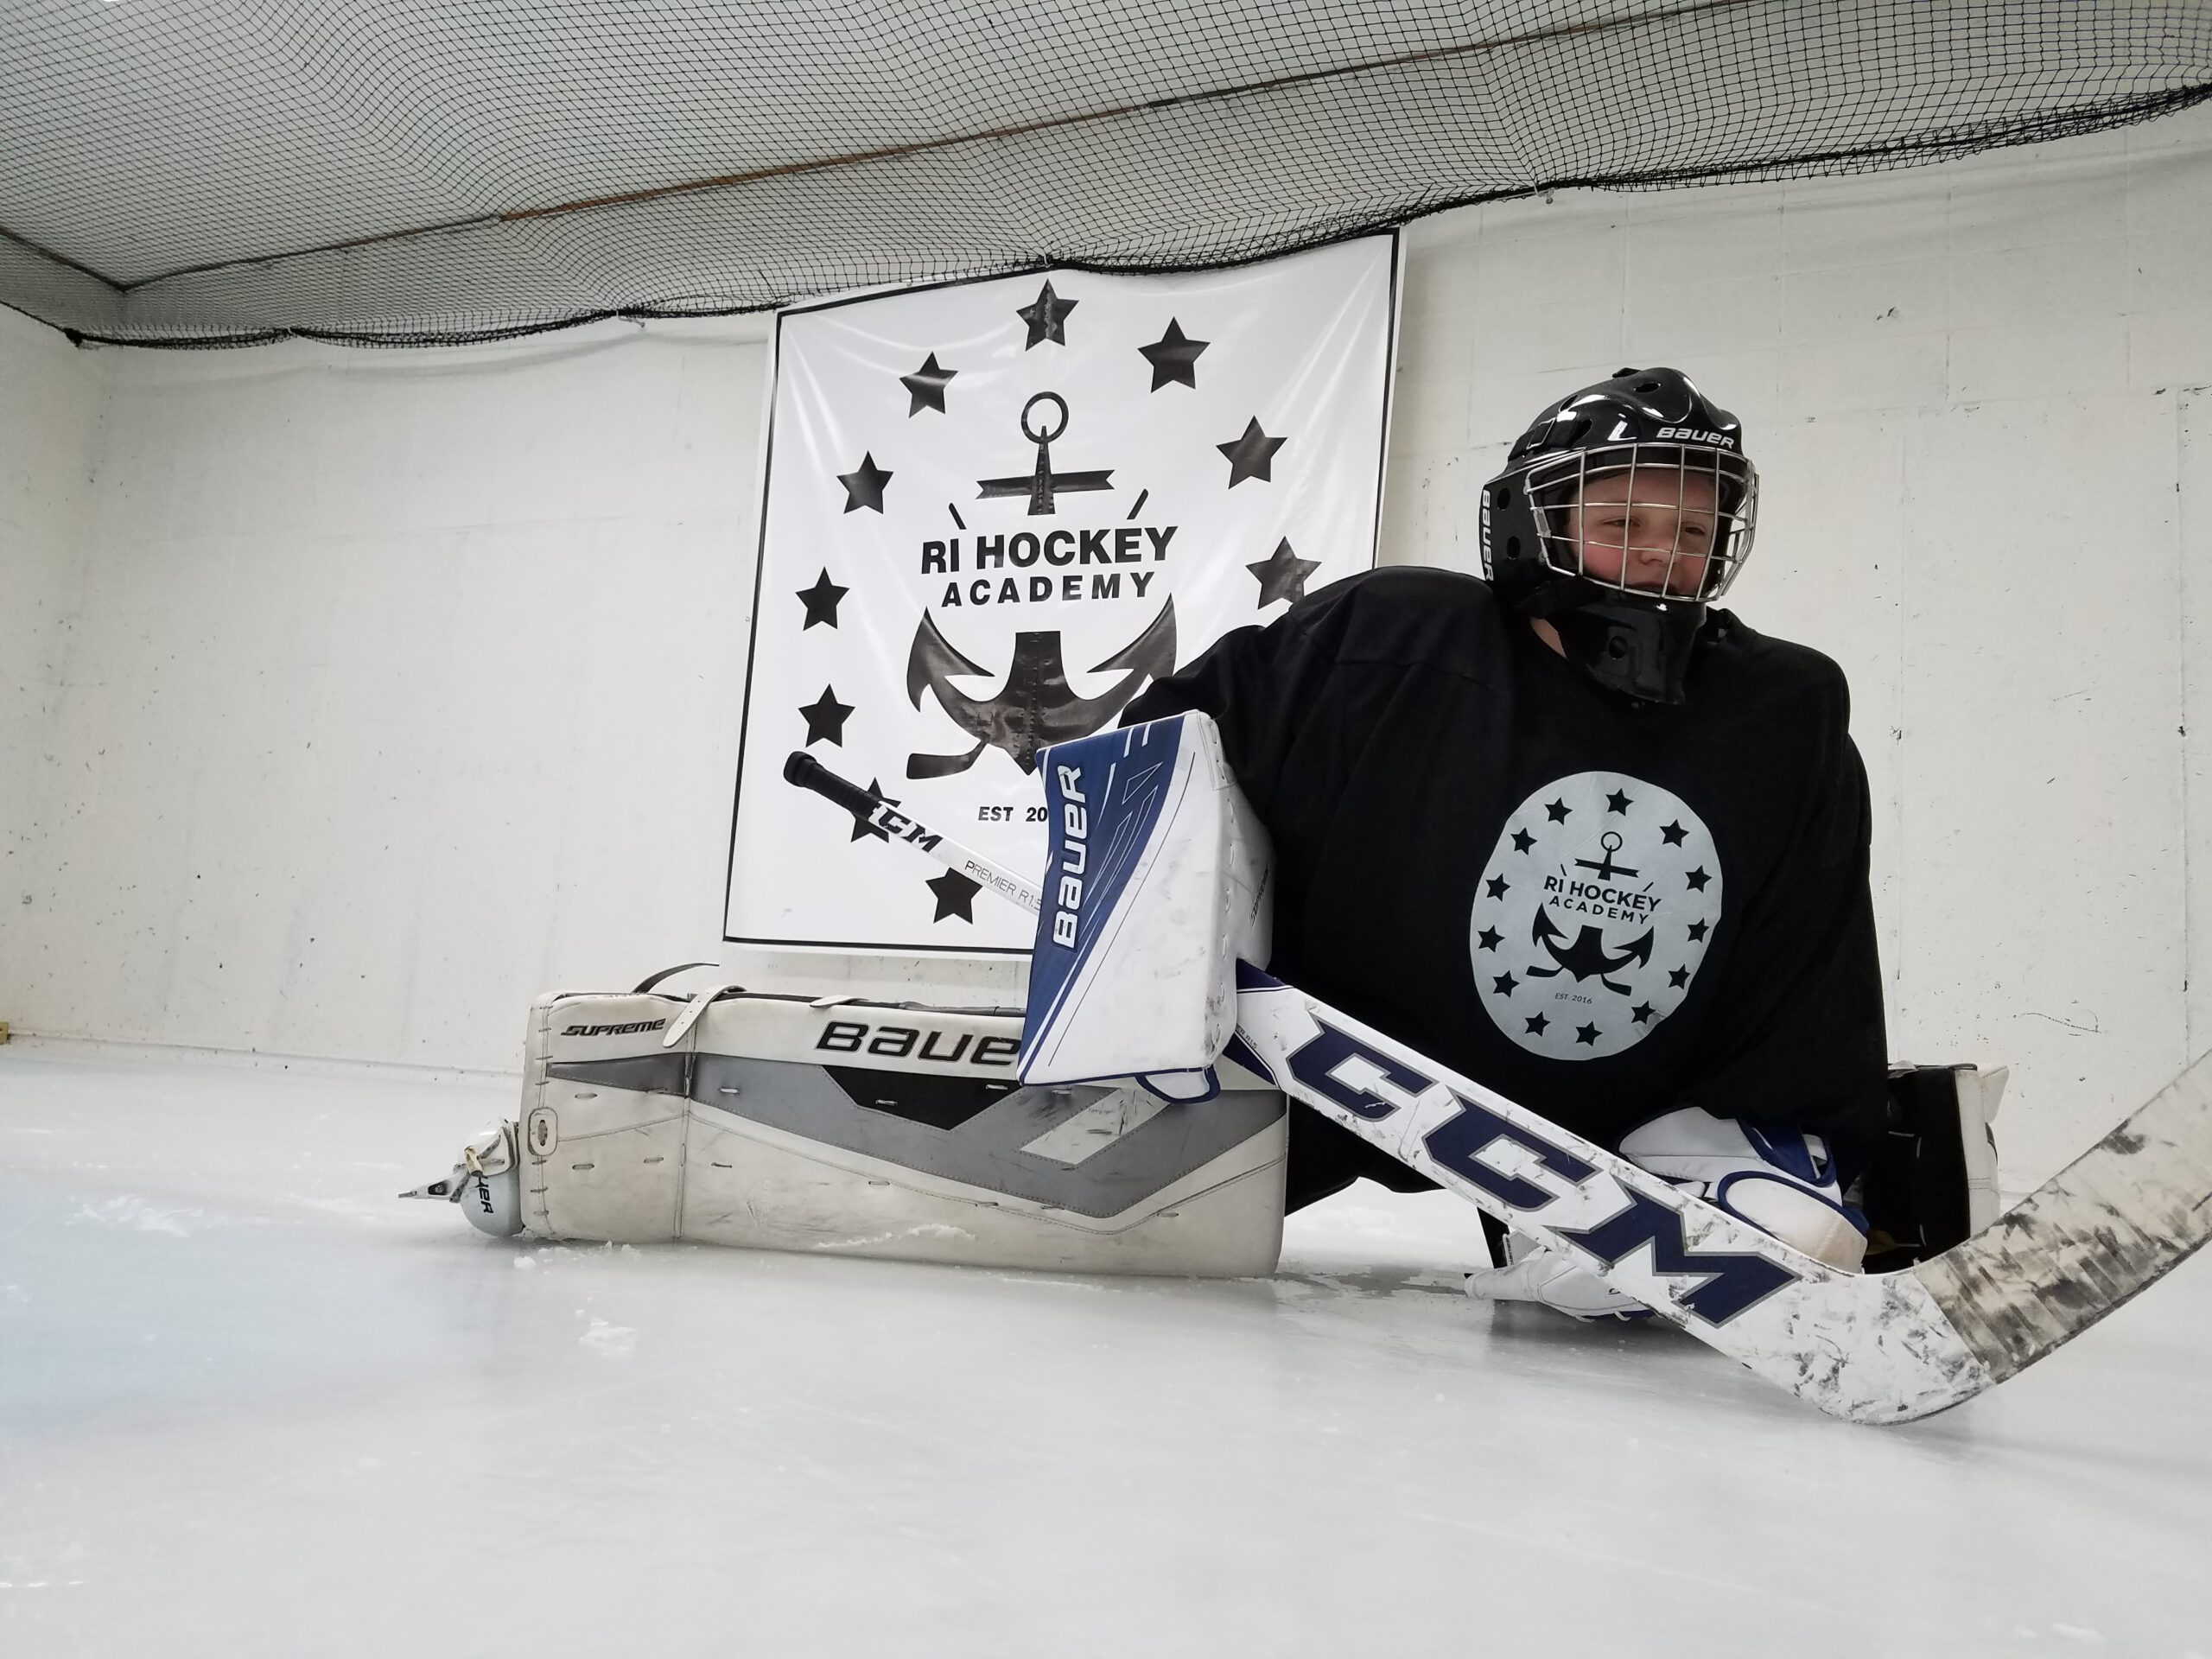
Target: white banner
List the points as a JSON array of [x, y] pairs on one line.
[[993, 512]]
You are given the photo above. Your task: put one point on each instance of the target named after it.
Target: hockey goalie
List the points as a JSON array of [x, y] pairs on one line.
[[1550, 889], [1579, 835]]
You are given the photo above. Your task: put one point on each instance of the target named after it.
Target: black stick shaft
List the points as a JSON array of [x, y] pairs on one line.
[[803, 769]]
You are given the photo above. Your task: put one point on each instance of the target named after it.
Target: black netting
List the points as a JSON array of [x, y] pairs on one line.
[[213, 172]]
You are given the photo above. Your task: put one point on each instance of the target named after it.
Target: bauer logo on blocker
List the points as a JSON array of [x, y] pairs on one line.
[[1593, 915]]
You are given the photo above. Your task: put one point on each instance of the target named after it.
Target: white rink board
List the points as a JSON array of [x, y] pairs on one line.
[[254, 1405]]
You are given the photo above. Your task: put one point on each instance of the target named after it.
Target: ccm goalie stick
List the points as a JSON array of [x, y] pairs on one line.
[[1870, 1347]]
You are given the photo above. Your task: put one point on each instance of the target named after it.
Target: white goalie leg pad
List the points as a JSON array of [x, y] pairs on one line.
[[1781, 1181], [1778, 1180], [1156, 882], [868, 1128], [1531, 1273]]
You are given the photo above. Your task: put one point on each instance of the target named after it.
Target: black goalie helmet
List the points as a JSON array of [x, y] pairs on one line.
[[1622, 513]]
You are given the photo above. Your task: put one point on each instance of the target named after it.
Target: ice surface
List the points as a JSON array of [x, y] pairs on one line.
[[251, 1403]]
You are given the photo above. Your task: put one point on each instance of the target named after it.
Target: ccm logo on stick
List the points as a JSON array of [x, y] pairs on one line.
[[1074, 856], [1532, 1173], [899, 824]]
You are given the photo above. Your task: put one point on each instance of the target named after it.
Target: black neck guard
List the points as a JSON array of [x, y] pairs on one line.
[[1639, 648]]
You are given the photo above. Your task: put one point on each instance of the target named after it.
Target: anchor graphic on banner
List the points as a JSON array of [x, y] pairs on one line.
[[1036, 707], [1044, 483]]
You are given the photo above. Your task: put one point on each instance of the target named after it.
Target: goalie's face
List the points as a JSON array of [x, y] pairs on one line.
[[1651, 527]]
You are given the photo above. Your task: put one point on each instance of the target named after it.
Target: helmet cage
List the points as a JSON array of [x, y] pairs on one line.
[[1694, 506]]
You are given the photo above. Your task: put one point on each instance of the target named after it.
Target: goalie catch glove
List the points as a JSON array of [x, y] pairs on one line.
[[1778, 1180]]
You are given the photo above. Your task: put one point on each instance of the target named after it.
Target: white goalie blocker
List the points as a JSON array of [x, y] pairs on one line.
[[838, 1126], [1156, 883]]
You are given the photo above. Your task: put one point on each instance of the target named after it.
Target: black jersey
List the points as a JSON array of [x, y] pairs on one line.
[[1603, 908]]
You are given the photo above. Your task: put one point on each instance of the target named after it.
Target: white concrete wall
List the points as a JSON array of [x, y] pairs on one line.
[[405, 684], [402, 690], [50, 402]]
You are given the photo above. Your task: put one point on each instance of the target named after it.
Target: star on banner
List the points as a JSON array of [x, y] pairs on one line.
[[864, 485], [825, 718], [821, 601], [1251, 454], [862, 827], [1174, 357], [927, 384], [1281, 575], [1047, 316], [955, 894]]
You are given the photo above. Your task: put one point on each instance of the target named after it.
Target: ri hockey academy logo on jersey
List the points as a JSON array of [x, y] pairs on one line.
[[1593, 915]]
